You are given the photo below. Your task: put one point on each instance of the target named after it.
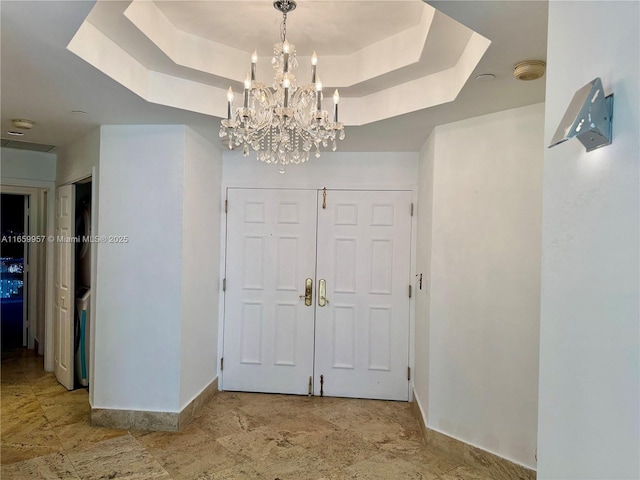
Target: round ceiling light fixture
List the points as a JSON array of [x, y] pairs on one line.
[[15, 133], [529, 70], [485, 77], [22, 123]]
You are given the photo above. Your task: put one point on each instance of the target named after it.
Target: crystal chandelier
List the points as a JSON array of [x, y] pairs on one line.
[[283, 122]]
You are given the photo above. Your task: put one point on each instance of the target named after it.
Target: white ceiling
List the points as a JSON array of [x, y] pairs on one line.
[[43, 81], [329, 29]]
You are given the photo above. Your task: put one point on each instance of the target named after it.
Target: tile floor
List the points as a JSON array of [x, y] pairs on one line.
[[46, 435]]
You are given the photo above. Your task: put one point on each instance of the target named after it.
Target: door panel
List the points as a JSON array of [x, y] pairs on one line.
[[64, 308], [268, 331], [362, 333]]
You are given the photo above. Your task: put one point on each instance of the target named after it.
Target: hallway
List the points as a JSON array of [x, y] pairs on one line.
[[46, 435]]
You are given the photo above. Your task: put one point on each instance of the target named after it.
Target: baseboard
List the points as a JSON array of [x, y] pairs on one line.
[[485, 462], [153, 421], [189, 412]]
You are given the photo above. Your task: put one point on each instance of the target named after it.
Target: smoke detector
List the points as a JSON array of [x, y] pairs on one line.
[[529, 70], [22, 124]]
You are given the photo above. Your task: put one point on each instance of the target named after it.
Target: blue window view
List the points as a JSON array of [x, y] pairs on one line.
[[11, 283], [12, 270]]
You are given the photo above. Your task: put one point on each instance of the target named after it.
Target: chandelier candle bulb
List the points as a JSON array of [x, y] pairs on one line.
[[314, 63], [229, 102], [254, 61], [319, 95], [286, 84], [247, 86], [336, 99], [285, 51]]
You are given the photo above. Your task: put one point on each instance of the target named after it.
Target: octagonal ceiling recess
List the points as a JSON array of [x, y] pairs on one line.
[[387, 57]]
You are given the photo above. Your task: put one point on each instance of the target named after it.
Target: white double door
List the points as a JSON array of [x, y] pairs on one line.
[[349, 336]]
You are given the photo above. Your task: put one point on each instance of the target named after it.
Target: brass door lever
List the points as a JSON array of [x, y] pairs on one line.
[[308, 292], [322, 293]]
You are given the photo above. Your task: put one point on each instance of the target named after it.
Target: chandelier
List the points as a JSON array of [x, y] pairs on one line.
[[285, 121]]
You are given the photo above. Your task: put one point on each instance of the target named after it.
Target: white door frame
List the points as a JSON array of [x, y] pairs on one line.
[[313, 185], [22, 186], [93, 176]]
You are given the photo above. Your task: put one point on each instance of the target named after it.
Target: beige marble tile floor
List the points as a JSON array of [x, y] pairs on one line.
[[45, 434]]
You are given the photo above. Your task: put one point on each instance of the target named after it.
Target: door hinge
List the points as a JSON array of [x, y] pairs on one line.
[[310, 385], [221, 363], [410, 290], [412, 209], [226, 206], [322, 385], [224, 284], [408, 373]]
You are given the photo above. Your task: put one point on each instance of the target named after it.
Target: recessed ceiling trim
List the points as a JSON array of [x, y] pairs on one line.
[[426, 92], [397, 51], [95, 47], [183, 48]]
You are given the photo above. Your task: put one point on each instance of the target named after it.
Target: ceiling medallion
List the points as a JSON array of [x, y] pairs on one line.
[[283, 122]]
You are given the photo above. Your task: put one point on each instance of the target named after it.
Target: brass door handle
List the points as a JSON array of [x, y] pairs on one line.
[[308, 292], [322, 293]]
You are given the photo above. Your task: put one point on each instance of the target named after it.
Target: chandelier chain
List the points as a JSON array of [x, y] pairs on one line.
[[283, 27]]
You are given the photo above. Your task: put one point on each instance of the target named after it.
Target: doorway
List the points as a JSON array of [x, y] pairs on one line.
[[14, 281], [316, 298], [73, 284]]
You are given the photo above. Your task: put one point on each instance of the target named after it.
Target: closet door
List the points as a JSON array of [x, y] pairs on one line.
[[63, 332], [362, 328], [271, 252]]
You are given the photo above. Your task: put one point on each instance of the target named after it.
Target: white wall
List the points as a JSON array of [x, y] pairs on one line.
[[589, 343], [138, 311], [200, 265], [77, 160], [485, 281], [22, 167], [335, 170], [157, 305], [423, 266]]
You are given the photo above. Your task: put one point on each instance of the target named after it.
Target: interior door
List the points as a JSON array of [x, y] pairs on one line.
[[63, 333], [362, 331], [268, 330]]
